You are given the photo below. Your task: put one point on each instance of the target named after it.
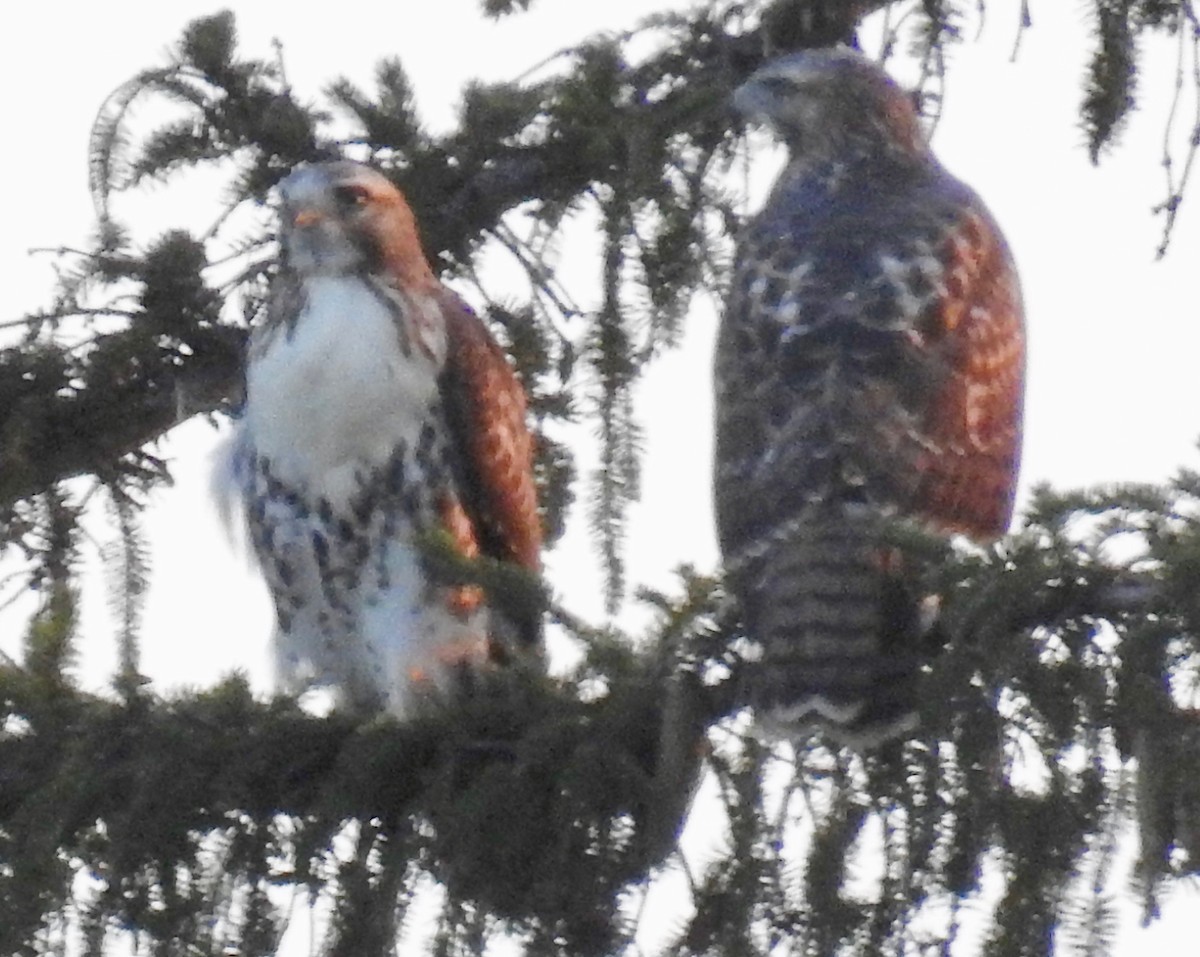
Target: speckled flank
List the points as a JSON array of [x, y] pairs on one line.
[[355, 608]]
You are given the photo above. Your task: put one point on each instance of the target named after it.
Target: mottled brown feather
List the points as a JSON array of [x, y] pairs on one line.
[[968, 472], [486, 408]]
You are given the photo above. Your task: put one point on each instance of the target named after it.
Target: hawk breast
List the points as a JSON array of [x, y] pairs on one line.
[[338, 387]]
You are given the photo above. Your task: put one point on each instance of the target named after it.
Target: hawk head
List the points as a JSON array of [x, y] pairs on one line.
[[343, 217], [828, 104]]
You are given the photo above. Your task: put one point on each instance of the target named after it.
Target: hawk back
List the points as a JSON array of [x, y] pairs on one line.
[[868, 389]]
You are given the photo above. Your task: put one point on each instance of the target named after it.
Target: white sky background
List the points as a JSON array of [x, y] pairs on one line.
[[1114, 380]]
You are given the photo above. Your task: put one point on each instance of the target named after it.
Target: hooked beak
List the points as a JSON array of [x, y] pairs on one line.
[[307, 217]]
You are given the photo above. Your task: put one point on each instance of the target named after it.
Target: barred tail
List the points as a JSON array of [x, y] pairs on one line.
[[840, 630]]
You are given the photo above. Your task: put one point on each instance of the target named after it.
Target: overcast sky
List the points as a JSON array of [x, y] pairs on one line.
[[1114, 337]]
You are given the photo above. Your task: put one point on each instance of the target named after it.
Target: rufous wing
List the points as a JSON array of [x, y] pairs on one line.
[[485, 410], [969, 466]]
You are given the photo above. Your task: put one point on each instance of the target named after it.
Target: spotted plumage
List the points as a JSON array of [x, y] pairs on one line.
[[869, 375], [379, 413]]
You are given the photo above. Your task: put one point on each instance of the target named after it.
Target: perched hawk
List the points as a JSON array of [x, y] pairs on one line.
[[379, 412], [869, 375]]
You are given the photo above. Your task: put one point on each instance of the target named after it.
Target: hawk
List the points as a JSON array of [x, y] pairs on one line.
[[869, 378], [379, 412]]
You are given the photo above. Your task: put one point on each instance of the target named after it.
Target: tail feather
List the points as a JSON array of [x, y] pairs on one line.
[[840, 627]]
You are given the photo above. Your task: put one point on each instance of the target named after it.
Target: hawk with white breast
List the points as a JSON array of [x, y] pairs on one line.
[[380, 413]]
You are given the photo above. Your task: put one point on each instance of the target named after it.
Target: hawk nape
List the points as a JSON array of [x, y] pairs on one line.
[[379, 411], [869, 373]]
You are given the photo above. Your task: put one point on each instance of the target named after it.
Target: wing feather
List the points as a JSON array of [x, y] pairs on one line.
[[973, 425], [485, 411]]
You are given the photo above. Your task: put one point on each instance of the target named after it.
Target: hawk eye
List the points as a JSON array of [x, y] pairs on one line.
[[777, 85], [349, 196]]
